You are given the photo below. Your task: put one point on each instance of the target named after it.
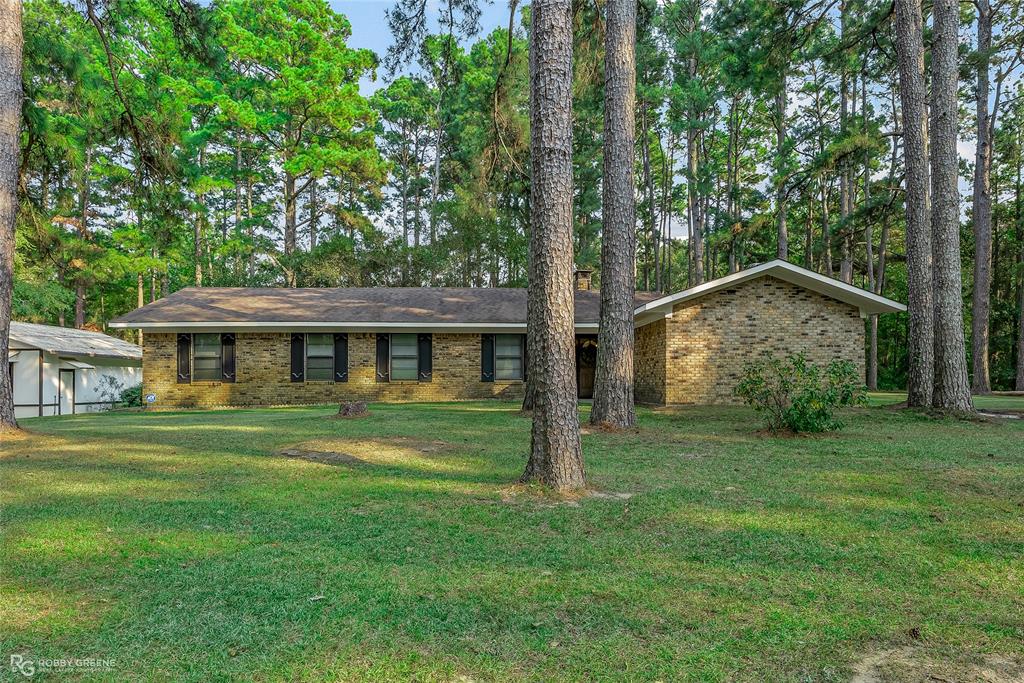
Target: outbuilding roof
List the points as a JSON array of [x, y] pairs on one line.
[[67, 341]]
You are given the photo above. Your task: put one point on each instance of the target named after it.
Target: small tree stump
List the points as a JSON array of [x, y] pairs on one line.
[[352, 409]]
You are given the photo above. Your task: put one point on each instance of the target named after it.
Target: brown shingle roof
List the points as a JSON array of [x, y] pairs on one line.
[[361, 305]]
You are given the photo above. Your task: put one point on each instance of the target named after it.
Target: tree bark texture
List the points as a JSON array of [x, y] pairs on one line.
[[10, 119], [556, 458], [982, 211], [920, 304], [782, 249], [952, 389], [613, 388]]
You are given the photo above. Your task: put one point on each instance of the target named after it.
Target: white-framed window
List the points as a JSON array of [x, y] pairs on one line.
[[320, 357], [206, 357], [404, 357], [508, 356]]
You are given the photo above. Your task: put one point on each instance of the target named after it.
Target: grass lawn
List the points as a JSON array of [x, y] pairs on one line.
[[185, 547]]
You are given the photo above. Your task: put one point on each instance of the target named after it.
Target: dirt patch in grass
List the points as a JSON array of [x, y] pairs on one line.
[[911, 665], [605, 428], [546, 498], [394, 451], [324, 457]]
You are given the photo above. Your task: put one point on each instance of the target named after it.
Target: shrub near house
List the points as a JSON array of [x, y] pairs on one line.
[[799, 396]]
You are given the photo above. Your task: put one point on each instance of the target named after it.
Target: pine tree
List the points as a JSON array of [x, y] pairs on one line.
[[556, 458], [10, 117], [613, 397]]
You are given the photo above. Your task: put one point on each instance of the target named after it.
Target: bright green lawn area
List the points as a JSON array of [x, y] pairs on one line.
[[181, 546], [990, 402]]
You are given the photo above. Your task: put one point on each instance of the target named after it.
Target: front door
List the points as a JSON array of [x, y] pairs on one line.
[[67, 392], [586, 364]]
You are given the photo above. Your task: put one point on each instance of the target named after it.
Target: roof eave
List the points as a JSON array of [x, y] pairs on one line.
[[314, 325], [867, 302]]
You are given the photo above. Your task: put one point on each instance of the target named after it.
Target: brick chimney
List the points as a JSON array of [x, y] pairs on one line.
[[582, 278]]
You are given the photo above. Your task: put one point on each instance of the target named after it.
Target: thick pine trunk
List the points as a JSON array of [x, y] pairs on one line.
[[982, 211], [10, 118], [921, 326], [613, 397], [556, 458], [952, 389]]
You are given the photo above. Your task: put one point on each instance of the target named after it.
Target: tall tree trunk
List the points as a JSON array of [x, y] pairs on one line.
[[1018, 209], [869, 245], [238, 183], [314, 215], [556, 458], [289, 213], [80, 297], [845, 181], [920, 305], [84, 208], [730, 182], [782, 232], [405, 206], [10, 119], [952, 388], [648, 190], [140, 297], [695, 217], [982, 210], [826, 228], [613, 396]]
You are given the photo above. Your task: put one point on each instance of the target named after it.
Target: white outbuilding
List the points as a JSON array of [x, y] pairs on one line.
[[62, 371]]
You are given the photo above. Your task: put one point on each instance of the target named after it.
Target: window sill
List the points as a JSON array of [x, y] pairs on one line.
[[506, 381]]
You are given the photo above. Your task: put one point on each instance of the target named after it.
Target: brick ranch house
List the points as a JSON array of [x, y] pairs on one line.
[[207, 347]]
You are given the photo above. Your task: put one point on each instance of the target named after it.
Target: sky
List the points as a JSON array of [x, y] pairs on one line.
[[370, 29]]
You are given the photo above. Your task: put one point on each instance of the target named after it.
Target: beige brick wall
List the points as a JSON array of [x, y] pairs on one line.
[[649, 364], [711, 338], [263, 367], [696, 356]]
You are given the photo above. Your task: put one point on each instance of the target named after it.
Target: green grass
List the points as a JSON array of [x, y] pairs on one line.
[[181, 546], [990, 402]]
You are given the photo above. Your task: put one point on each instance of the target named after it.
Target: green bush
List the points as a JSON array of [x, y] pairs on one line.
[[796, 395], [131, 397]]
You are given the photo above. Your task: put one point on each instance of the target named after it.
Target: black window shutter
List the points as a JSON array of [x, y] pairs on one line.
[[383, 358], [227, 357], [486, 357], [184, 358], [526, 364], [341, 357], [298, 357], [426, 358]]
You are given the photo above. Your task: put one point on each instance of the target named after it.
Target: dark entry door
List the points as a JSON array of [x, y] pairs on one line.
[[586, 364]]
